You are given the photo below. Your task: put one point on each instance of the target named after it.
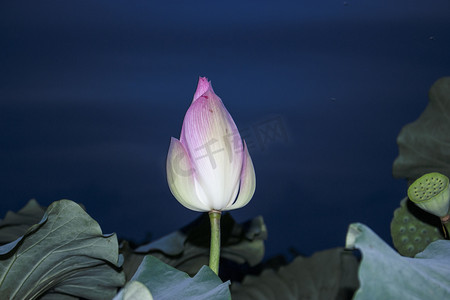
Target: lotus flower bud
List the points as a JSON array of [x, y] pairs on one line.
[[209, 167], [431, 192]]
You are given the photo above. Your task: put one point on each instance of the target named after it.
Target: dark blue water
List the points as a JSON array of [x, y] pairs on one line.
[[90, 94]]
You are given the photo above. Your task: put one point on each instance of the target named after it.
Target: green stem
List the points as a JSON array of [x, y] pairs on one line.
[[214, 255], [445, 225], [446, 230]]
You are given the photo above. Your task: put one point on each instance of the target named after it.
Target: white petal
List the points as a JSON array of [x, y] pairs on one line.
[[248, 182], [180, 177]]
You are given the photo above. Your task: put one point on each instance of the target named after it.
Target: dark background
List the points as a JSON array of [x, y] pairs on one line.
[[92, 91]]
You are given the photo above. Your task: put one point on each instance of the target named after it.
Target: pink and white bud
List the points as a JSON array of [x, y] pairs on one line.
[[210, 168]]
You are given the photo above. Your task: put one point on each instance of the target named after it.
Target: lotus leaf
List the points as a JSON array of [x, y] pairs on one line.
[[15, 225], [385, 274], [329, 274], [424, 145], [165, 282], [63, 256]]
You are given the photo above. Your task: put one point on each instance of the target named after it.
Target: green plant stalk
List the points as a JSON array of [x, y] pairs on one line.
[[214, 254], [446, 226]]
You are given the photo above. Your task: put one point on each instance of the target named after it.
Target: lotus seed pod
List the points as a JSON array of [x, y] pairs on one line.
[[409, 234], [431, 192]]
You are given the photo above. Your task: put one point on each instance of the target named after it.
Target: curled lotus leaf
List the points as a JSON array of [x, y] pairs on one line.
[[424, 145], [16, 224], [165, 282], [64, 256], [385, 274]]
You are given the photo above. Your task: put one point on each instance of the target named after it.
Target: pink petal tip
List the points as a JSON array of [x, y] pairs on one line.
[[202, 87]]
